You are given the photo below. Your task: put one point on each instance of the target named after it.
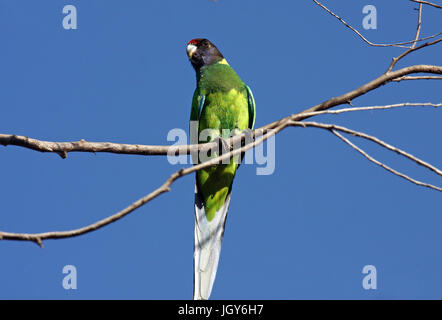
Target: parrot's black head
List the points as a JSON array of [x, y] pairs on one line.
[[202, 52]]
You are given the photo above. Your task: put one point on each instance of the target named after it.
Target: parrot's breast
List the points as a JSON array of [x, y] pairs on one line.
[[225, 110], [222, 113]]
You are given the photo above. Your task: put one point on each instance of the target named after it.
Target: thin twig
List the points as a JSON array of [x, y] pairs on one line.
[[395, 60], [428, 3], [417, 78], [351, 95], [365, 154], [419, 23], [398, 44], [370, 138], [390, 106]]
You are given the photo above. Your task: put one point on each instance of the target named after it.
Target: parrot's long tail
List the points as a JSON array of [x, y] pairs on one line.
[[208, 238]]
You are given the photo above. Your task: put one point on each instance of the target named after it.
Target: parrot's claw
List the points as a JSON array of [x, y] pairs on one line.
[[248, 137], [223, 145]]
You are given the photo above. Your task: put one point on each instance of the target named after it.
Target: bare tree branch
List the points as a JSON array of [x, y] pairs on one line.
[[428, 3], [38, 237], [165, 187], [64, 148], [395, 60], [398, 44], [365, 154], [419, 23], [351, 95], [332, 127], [417, 78], [390, 106]]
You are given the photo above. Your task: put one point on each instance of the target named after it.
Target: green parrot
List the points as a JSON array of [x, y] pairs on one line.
[[221, 101]]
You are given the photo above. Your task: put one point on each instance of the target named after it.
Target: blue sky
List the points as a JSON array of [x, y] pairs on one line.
[[304, 232]]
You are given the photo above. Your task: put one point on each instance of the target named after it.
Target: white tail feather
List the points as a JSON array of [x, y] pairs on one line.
[[208, 238]]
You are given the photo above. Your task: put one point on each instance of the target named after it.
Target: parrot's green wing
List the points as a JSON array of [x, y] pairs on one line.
[[195, 112], [197, 105], [252, 107]]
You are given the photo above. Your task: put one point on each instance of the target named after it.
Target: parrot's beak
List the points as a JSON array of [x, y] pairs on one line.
[[191, 48]]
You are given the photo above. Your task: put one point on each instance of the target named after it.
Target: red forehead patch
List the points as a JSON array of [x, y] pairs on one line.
[[193, 41]]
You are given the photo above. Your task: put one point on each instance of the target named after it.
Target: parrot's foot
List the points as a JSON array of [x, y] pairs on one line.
[[248, 137], [223, 145]]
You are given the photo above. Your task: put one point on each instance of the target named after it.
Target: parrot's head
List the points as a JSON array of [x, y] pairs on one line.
[[202, 52]]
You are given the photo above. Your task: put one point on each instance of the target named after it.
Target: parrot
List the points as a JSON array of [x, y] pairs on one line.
[[220, 101]]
